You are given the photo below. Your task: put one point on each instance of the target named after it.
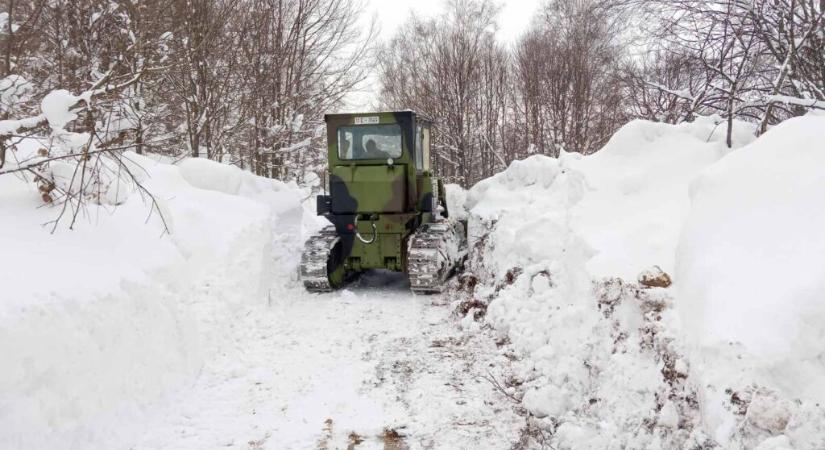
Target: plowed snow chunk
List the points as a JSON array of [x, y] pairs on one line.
[[655, 277], [548, 400], [769, 412], [668, 416]]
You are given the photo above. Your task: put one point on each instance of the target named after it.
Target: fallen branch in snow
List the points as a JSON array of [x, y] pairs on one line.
[[78, 166], [98, 168], [74, 198], [28, 167], [79, 195], [490, 378], [142, 189]]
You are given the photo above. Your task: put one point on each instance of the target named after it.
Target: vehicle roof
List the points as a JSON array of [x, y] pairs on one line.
[[410, 112]]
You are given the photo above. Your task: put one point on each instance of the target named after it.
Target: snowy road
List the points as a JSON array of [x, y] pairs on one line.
[[352, 369]]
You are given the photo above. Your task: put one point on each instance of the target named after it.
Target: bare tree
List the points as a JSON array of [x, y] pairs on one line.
[[646, 82], [792, 33], [452, 69], [300, 58], [762, 60], [568, 72]]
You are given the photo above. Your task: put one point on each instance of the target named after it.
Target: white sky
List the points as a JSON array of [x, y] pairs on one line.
[[514, 19]]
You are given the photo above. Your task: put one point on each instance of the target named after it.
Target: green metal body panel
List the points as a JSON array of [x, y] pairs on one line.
[[371, 189], [383, 199]]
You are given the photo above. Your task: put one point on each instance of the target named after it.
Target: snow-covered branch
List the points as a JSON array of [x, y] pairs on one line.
[[681, 93], [797, 101], [60, 105]]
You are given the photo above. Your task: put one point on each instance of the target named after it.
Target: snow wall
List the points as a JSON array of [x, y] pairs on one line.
[[99, 321], [750, 280], [726, 356]]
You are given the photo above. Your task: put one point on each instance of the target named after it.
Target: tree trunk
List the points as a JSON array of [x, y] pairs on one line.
[[9, 39]]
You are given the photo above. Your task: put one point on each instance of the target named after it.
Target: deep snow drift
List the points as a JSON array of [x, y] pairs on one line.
[[98, 321], [606, 361], [751, 285]]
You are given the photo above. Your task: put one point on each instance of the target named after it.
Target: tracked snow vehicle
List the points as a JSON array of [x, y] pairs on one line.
[[387, 209]]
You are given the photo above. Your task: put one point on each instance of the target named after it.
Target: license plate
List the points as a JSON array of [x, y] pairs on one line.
[[369, 120]]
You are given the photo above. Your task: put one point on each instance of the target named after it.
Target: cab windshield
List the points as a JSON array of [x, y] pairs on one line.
[[370, 141]]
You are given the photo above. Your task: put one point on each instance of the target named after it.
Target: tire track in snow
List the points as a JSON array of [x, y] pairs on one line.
[[368, 367]]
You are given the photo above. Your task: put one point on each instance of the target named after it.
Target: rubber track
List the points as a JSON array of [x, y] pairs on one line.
[[428, 260], [314, 260]]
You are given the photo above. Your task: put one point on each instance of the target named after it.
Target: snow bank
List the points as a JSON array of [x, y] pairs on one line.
[[527, 206], [751, 276], [206, 174], [559, 244], [98, 322], [626, 203], [590, 355], [638, 196]]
